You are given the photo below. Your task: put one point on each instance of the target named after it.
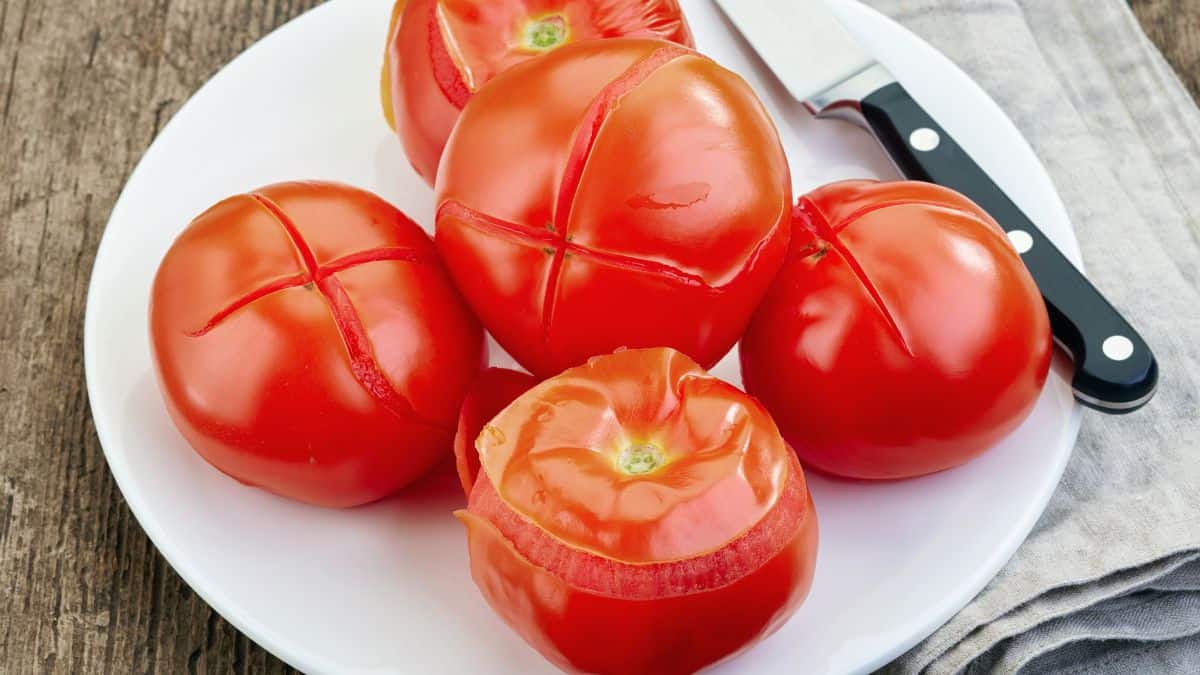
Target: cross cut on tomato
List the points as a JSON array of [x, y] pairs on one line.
[[349, 324], [309, 341], [903, 336], [559, 246], [614, 193]]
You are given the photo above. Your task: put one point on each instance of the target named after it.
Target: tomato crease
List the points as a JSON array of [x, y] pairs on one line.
[[446, 72], [818, 223], [394, 253], [293, 233], [595, 117], [364, 364], [526, 235], [283, 284]]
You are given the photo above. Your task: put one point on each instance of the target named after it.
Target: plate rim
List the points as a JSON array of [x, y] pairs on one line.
[[297, 655]]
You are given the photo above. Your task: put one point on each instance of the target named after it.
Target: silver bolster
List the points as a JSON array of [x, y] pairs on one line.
[[1109, 405], [844, 99]]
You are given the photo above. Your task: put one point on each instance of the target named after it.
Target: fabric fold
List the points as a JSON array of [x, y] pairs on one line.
[[1105, 573]]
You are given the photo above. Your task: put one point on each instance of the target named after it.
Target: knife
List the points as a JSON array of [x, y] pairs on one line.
[[823, 66]]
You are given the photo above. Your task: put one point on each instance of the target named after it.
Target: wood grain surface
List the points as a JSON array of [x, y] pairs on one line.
[[1174, 25], [85, 85]]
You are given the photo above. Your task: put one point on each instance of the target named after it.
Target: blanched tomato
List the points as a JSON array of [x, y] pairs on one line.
[[308, 341], [442, 51], [614, 193], [904, 335], [637, 515], [495, 389]]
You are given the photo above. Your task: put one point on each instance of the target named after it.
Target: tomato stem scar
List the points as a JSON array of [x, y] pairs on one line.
[[641, 459], [545, 33]]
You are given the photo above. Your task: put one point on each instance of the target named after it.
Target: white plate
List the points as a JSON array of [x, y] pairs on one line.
[[385, 588]]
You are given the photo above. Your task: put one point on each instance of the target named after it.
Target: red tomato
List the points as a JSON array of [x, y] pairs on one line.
[[385, 74], [615, 193], [308, 341], [495, 389], [639, 499], [904, 335], [443, 51]]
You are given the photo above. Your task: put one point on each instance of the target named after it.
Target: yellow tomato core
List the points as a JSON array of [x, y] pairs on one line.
[[545, 33], [638, 456], [641, 459]]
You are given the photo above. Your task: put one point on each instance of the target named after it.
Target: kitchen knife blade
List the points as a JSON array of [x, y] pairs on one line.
[[821, 64]]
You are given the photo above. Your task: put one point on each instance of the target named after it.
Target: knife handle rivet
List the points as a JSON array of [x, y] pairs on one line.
[[925, 139], [1118, 348], [1021, 240]]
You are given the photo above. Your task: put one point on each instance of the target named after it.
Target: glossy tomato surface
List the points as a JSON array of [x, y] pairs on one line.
[[308, 341], [904, 335], [440, 52], [615, 193], [637, 515], [492, 392]]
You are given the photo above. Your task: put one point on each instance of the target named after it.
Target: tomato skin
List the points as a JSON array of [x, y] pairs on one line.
[[308, 341], [679, 634], [598, 607], [948, 357], [568, 245], [385, 71], [445, 50], [493, 391]]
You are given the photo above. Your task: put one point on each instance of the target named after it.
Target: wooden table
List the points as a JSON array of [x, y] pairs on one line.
[[84, 88]]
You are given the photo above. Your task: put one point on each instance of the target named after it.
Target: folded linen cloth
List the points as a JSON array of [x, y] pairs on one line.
[[1109, 580]]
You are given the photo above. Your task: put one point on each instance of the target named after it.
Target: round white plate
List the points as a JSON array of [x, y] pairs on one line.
[[385, 588]]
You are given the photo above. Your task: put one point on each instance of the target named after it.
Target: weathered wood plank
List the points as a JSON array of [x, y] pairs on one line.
[[1174, 25], [84, 88]]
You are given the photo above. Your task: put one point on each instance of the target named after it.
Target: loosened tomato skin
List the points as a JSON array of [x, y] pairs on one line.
[[308, 341], [442, 51], [650, 592], [903, 337], [616, 193], [493, 391], [586, 631]]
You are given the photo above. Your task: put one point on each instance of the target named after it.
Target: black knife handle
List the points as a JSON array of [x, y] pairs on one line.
[[1115, 371]]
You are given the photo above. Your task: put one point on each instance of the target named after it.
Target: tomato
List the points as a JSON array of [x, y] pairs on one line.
[[385, 74], [614, 193], [495, 389], [637, 515], [444, 51], [904, 335], [309, 341]]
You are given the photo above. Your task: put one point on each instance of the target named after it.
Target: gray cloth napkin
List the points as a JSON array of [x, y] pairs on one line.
[[1109, 581]]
